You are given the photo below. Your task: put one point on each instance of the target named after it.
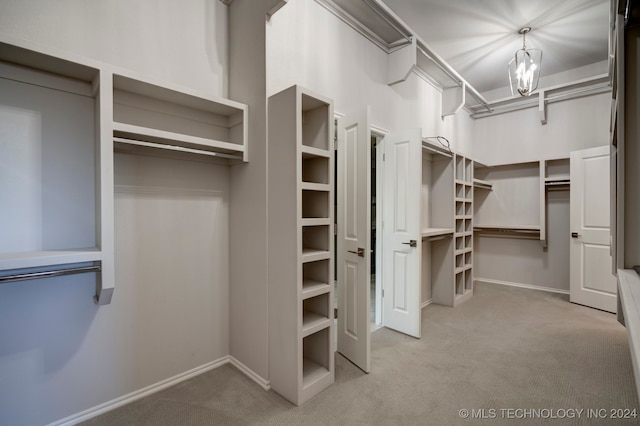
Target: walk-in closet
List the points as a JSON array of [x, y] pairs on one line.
[[317, 211]]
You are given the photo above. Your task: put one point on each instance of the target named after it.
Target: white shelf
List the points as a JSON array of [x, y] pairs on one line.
[[312, 323], [312, 372], [312, 288], [309, 151], [478, 227], [311, 255], [315, 221], [47, 258], [308, 186], [162, 137], [482, 184], [436, 232]]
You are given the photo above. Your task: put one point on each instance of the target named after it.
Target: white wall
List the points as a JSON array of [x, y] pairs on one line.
[[60, 353], [309, 46], [183, 42], [519, 137]]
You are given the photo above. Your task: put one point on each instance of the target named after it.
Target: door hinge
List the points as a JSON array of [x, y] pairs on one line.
[[335, 312], [383, 156], [383, 292], [335, 229]]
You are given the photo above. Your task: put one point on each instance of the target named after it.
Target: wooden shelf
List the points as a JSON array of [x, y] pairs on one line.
[[312, 323], [312, 372], [315, 221], [309, 151], [482, 184], [312, 288], [162, 137], [48, 258], [435, 232], [155, 112], [308, 186], [507, 227], [311, 255]]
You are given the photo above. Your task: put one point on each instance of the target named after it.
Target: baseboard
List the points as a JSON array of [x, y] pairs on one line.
[[426, 303], [265, 384], [521, 285], [141, 393]]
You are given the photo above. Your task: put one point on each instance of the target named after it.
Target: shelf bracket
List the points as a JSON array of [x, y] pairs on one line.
[[401, 63], [542, 107]]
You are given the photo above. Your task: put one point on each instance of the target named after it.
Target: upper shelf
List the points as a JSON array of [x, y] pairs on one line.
[[158, 114], [482, 184]]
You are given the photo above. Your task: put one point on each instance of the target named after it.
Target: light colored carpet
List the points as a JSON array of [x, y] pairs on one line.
[[506, 348]]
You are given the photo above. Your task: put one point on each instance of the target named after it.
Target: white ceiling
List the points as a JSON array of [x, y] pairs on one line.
[[479, 37]]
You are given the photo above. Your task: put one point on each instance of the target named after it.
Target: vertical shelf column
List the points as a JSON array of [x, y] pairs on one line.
[[463, 235], [301, 248]]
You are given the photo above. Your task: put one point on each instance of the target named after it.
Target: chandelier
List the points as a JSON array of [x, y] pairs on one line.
[[524, 68]]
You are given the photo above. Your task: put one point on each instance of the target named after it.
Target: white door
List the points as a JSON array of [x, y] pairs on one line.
[[401, 241], [592, 283], [354, 238]]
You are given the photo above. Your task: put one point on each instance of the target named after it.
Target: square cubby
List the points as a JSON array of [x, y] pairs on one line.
[[315, 238], [315, 204], [315, 169]]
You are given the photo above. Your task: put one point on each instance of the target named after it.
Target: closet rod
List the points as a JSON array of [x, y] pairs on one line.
[[456, 78], [176, 148], [49, 274]]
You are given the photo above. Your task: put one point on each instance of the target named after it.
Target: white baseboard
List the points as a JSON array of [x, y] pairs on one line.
[[521, 285], [264, 384], [426, 303], [146, 391]]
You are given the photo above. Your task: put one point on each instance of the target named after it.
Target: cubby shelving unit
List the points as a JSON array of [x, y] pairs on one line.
[[463, 236], [301, 246], [154, 116], [56, 211]]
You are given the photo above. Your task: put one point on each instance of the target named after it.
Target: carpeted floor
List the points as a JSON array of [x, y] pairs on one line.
[[524, 356]]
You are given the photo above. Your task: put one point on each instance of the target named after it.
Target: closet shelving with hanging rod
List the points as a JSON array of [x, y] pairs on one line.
[[56, 210], [153, 115], [513, 206]]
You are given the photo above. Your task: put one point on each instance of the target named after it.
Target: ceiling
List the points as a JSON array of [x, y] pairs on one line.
[[479, 37]]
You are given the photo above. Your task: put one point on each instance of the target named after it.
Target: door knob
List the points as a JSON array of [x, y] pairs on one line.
[[360, 252], [575, 235], [412, 243]]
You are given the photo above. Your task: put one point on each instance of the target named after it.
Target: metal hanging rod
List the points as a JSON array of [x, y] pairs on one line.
[[49, 274], [453, 75], [439, 237]]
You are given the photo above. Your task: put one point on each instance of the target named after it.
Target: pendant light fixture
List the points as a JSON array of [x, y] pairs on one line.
[[524, 68]]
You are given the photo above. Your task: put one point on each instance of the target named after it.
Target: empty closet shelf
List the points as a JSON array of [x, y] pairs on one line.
[[130, 132], [515, 231], [48, 258], [312, 372], [312, 323], [482, 184], [436, 232], [312, 288], [311, 255]]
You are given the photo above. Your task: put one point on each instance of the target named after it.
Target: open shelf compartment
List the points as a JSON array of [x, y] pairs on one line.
[[157, 114]]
